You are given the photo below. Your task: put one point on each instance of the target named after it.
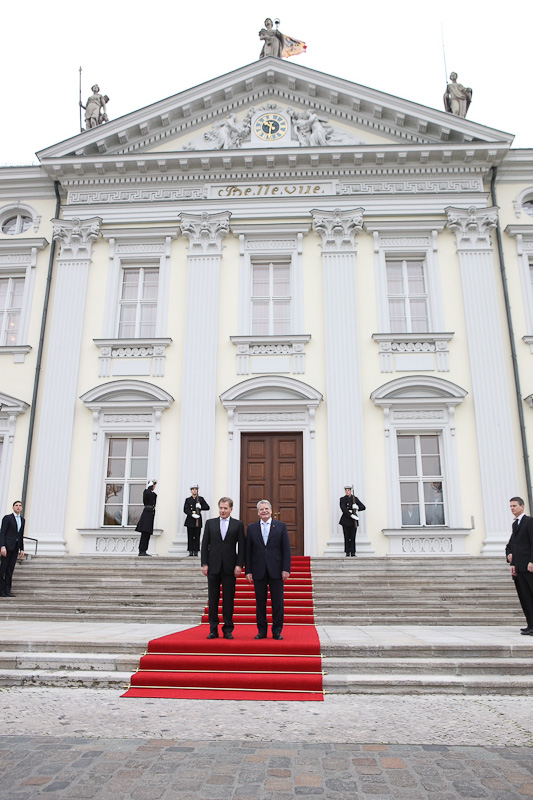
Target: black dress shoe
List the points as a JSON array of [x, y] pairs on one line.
[[145, 554], [212, 635], [277, 636], [10, 594], [228, 636], [524, 631], [261, 636]]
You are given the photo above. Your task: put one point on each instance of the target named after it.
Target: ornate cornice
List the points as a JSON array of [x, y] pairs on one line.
[[472, 226], [205, 232], [338, 229], [76, 236]]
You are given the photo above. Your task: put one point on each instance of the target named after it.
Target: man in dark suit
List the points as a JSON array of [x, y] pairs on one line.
[[519, 552], [268, 564], [193, 507], [11, 544], [350, 507], [222, 557]]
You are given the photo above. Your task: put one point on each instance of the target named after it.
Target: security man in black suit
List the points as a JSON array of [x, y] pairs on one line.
[[519, 552], [222, 557], [350, 506], [11, 544], [193, 507]]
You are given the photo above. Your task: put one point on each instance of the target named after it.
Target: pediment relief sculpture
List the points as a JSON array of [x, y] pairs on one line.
[[272, 125]]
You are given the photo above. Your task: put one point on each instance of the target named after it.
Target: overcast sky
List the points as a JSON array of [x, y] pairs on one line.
[[140, 53]]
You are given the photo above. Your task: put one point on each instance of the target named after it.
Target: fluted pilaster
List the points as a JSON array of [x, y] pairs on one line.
[[51, 468], [343, 369], [198, 399], [497, 462]]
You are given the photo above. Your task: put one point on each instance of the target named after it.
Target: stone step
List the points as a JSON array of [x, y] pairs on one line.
[[91, 679], [428, 666], [68, 661], [428, 684]]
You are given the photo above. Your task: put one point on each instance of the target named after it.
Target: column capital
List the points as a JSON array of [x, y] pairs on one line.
[[205, 232], [338, 229], [472, 226], [76, 236]]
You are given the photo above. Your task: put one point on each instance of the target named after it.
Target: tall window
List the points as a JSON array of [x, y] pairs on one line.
[[11, 292], [407, 296], [531, 273], [138, 302], [127, 466], [421, 479], [271, 297]]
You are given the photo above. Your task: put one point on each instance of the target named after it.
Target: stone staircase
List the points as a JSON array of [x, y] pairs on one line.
[[386, 594]]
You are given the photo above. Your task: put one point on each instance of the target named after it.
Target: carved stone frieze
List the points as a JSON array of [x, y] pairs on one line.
[[391, 344], [151, 248], [412, 186], [270, 245], [113, 418], [76, 236], [418, 414], [338, 229], [135, 195], [205, 232], [405, 241], [472, 227], [279, 416], [427, 544], [257, 346]]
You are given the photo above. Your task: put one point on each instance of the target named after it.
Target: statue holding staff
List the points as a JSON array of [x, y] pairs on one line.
[[95, 109]]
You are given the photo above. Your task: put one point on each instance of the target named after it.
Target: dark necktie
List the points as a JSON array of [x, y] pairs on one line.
[[515, 526]]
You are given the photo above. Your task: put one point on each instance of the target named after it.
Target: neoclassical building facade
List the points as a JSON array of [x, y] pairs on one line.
[[273, 284]]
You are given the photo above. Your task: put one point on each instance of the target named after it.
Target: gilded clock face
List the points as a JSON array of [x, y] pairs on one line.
[[270, 127]]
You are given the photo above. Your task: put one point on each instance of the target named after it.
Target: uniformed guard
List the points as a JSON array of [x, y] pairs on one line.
[[350, 507], [193, 507]]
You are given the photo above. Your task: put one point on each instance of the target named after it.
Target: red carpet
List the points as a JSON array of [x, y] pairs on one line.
[[188, 665]]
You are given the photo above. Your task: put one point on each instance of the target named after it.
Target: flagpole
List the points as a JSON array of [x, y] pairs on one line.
[[81, 129]]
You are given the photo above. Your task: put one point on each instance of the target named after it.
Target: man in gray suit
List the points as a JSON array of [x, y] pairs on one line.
[[222, 558]]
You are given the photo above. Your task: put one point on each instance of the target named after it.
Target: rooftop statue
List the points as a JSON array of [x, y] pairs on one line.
[[272, 40], [95, 110], [457, 99]]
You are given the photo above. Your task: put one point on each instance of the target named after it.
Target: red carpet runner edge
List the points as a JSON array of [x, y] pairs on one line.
[[188, 665]]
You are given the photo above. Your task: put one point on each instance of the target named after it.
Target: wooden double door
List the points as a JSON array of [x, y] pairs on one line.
[[272, 469]]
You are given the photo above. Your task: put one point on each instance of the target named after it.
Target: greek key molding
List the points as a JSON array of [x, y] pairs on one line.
[[135, 196], [338, 229], [472, 227], [205, 232], [76, 236], [411, 186]]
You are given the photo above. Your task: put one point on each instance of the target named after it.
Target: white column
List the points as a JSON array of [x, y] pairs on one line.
[[198, 398], [490, 390], [51, 468], [343, 370]]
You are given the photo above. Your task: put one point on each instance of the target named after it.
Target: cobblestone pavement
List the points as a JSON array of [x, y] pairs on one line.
[[184, 769], [88, 743]]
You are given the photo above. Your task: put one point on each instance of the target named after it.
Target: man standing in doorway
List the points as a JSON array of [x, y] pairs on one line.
[[11, 544], [268, 564], [222, 557], [519, 552]]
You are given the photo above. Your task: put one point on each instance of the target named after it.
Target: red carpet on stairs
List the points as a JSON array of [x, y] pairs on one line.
[[188, 665]]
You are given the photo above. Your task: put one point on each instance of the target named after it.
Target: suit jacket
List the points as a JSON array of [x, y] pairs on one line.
[[10, 537], [346, 507], [189, 508], [275, 556], [146, 520], [223, 555], [521, 544]]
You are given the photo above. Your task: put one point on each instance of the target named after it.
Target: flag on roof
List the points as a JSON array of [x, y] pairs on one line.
[[292, 47]]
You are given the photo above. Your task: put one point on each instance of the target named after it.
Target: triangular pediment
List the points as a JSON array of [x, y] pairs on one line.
[[318, 111]]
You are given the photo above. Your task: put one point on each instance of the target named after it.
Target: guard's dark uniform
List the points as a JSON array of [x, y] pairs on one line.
[[146, 521], [194, 526], [349, 525]]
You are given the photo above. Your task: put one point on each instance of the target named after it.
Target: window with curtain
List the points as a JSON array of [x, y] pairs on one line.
[[271, 297], [138, 302], [421, 479], [407, 295], [126, 477]]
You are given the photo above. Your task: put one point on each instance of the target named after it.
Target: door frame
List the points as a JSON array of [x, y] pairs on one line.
[[274, 404]]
